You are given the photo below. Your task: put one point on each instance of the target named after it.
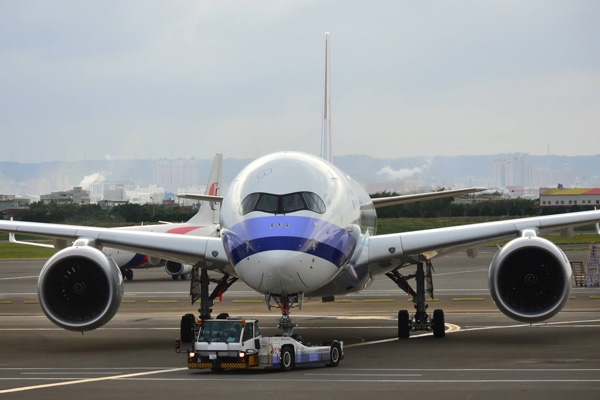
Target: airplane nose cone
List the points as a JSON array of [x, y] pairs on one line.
[[287, 254], [284, 271]]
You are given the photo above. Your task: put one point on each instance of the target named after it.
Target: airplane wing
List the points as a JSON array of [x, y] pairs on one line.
[[201, 197], [181, 248], [384, 249], [412, 198]]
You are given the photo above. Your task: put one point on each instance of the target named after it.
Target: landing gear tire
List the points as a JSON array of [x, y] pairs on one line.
[[335, 354], [127, 274], [403, 324], [439, 325], [187, 328], [287, 358], [174, 277], [183, 277]]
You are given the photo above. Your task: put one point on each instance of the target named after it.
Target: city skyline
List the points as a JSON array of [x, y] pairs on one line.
[[144, 79], [402, 174]]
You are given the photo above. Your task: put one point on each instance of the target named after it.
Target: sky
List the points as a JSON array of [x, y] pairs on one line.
[[149, 79]]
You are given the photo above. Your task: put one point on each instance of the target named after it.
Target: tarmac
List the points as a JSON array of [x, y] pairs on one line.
[[484, 354]]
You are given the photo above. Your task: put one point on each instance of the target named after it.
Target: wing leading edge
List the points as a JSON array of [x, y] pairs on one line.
[[385, 248], [185, 249]]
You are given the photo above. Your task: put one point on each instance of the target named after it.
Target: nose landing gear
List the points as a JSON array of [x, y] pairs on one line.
[[286, 303]]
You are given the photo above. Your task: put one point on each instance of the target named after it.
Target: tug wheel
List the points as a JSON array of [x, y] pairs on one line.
[[287, 358], [335, 354]]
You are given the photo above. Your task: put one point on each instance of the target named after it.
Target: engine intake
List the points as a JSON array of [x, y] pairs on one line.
[[530, 279], [177, 269], [80, 288]]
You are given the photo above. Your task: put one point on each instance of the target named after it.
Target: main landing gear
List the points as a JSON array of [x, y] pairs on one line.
[[421, 320], [199, 290], [127, 273]]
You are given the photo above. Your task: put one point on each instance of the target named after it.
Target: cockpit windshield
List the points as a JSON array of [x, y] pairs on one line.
[[283, 204], [220, 331]]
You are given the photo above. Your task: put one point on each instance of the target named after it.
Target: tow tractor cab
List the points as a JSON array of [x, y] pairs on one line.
[[237, 344]]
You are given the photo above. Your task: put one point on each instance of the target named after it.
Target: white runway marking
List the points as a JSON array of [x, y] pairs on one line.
[[105, 378], [19, 277]]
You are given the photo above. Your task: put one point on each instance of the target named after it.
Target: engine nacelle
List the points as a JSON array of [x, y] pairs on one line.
[[530, 279], [80, 288], [177, 269]]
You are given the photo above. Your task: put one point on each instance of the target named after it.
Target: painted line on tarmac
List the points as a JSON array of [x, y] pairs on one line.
[[104, 378], [468, 299], [412, 375], [248, 301], [18, 277], [379, 300], [462, 272], [450, 328], [329, 380], [455, 328], [163, 301]]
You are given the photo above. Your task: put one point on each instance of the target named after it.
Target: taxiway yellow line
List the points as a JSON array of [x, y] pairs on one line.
[[379, 300], [163, 301], [105, 378], [468, 299], [248, 301]]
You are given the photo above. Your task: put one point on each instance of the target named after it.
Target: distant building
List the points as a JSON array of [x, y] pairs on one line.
[[9, 204], [77, 196], [550, 197], [109, 204], [172, 174], [514, 171]]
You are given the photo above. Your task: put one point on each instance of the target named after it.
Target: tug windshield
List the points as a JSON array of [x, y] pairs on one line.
[[220, 331]]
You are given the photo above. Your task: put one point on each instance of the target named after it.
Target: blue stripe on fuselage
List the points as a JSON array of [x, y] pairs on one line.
[[135, 261], [293, 233]]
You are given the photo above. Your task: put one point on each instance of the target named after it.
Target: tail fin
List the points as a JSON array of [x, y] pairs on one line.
[[326, 128], [209, 211]]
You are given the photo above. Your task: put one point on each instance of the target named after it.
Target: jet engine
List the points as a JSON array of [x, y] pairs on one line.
[[80, 288], [176, 269], [530, 279]]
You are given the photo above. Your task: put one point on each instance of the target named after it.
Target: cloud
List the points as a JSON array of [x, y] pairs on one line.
[[87, 182], [390, 174]]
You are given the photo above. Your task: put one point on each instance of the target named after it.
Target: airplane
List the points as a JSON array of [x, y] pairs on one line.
[[294, 226], [204, 223]]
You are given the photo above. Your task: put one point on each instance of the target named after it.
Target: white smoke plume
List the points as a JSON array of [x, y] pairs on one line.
[[87, 182], [390, 174]]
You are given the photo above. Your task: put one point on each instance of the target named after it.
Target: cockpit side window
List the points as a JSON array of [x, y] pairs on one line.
[[282, 204], [249, 203], [314, 202]]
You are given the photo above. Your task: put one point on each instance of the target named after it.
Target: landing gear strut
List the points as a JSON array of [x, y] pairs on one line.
[[420, 320], [286, 303], [199, 290]]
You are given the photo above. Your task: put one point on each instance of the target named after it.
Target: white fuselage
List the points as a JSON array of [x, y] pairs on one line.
[[294, 223]]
